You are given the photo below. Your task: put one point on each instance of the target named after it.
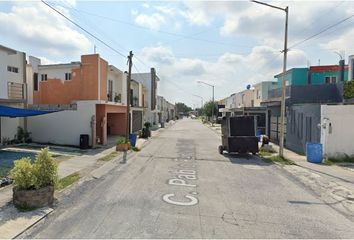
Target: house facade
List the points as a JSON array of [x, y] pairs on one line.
[[12, 90], [91, 95], [149, 81]]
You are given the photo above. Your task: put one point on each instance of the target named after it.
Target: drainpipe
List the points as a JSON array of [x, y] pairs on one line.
[[24, 90], [99, 77]]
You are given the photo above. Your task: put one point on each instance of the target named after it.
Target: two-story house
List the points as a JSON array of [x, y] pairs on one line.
[[12, 89], [149, 81], [91, 94]]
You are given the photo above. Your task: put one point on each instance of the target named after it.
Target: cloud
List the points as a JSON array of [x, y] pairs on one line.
[[345, 42], [154, 21], [42, 29]]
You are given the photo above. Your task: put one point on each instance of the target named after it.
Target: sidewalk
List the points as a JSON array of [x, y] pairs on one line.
[[333, 184]]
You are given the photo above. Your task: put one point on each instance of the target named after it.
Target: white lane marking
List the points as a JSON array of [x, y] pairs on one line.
[[193, 200]]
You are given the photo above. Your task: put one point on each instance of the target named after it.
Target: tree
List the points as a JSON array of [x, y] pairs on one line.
[[182, 108], [208, 108]]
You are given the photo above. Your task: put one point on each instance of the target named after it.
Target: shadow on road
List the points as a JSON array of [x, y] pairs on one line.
[[246, 159]]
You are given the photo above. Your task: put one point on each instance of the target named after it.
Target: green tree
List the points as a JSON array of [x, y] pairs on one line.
[[208, 108], [181, 107]]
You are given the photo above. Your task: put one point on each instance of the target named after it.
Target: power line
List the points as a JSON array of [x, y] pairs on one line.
[[322, 31], [161, 31], [83, 29]]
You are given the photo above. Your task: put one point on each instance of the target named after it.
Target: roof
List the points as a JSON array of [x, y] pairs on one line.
[[9, 50], [327, 68]]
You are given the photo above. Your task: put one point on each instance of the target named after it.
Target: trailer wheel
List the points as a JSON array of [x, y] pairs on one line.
[[254, 153], [221, 149]]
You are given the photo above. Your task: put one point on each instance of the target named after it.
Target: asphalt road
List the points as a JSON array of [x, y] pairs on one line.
[[180, 187]]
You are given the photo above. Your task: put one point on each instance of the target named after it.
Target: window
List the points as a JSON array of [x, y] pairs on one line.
[[110, 90], [35, 81], [12, 69], [44, 77], [67, 76], [329, 80]]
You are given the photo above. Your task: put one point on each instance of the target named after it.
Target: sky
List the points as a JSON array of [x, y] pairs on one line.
[[228, 44]]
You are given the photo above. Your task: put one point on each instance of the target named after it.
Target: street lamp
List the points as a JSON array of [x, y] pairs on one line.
[[200, 98], [212, 109], [283, 92]]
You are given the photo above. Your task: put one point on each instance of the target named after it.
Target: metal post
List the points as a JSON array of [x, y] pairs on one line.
[[130, 63], [283, 92], [212, 115]]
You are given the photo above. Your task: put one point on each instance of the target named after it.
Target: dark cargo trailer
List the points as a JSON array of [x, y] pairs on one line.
[[238, 135]]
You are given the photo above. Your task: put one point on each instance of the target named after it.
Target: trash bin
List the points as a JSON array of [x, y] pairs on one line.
[[162, 125], [84, 141], [314, 152], [259, 134], [132, 139]]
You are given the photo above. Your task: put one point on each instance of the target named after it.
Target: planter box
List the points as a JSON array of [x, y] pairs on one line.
[[33, 198], [122, 147]]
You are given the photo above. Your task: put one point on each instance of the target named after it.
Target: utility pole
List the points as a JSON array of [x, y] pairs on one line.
[[212, 109], [130, 64], [283, 92]]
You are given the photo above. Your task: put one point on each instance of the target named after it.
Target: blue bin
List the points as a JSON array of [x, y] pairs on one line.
[[259, 134], [132, 139], [314, 152]]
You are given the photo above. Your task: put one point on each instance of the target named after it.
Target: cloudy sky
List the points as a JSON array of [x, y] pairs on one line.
[[229, 44]]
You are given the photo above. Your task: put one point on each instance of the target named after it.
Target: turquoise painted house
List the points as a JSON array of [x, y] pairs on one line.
[[312, 75]]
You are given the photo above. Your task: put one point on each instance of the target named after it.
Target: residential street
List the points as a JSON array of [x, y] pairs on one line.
[[179, 186]]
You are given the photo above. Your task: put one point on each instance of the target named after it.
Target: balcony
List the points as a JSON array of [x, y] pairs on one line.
[[16, 91]]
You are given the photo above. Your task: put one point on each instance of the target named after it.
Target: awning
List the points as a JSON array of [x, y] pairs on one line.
[[20, 112]]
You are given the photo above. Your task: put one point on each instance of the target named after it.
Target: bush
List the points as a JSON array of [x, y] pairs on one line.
[[147, 125], [23, 174], [45, 169], [122, 140], [348, 89]]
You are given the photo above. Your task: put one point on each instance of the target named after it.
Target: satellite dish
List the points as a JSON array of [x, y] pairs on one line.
[[248, 87]]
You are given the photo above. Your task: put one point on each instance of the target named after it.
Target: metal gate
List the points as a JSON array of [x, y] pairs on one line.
[[137, 121], [275, 129]]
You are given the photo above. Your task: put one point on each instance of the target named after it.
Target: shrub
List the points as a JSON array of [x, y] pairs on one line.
[[122, 140], [147, 125], [348, 90], [23, 174], [45, 169]]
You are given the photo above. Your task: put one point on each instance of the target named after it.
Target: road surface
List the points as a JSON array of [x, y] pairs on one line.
[[178, 186]]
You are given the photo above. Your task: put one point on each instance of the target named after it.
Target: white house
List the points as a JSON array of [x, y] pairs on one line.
[[261, 91], [12, 89], [149, 81]]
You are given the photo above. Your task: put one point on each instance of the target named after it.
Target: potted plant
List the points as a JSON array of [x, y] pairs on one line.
[[146, 130], [135, 101], [122, 144], [117, 98], [34, 182]]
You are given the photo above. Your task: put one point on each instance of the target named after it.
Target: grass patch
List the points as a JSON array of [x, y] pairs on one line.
[[67, 181], [339, 160], [109, 157], [265, 154], [135, 149], [281, 160]]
